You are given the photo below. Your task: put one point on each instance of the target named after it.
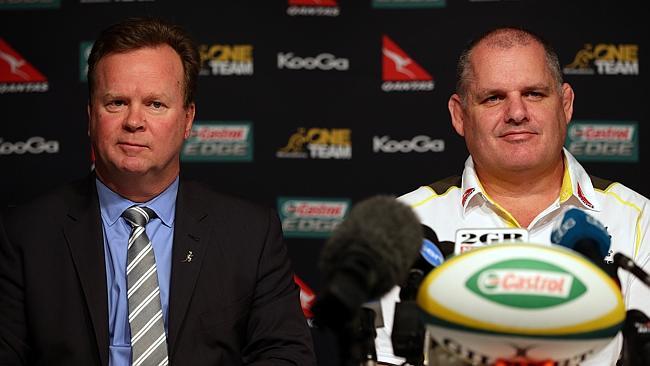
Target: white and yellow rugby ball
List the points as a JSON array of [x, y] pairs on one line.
[[521, 301]]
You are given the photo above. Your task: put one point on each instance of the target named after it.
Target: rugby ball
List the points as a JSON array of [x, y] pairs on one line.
[[513, 302]]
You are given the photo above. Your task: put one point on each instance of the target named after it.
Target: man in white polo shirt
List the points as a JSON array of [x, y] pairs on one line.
[[513, 108]]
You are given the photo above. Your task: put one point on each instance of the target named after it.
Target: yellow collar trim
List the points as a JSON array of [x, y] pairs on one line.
[[566, 191], [507, 216]]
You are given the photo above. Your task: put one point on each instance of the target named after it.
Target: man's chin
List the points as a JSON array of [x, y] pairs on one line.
[[132, 165], [132, 168]]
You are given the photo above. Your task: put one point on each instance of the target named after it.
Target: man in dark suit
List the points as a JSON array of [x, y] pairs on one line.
[[134, 266]]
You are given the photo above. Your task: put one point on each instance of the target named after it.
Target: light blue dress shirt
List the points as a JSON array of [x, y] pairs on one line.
[[116, 235]]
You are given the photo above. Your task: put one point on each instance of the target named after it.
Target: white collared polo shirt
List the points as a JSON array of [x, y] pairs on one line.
[[460, 202]]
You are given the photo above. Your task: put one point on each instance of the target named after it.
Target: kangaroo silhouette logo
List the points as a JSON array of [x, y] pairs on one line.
[[398, 66], [14, 69], [14, 64]]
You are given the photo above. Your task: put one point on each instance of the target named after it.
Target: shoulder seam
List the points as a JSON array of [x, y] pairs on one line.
[[600, 183], [445, 184]]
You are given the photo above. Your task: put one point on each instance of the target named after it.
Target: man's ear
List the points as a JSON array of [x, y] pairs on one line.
[[457, 113], [189, 119], [567, 101], [88, 112]]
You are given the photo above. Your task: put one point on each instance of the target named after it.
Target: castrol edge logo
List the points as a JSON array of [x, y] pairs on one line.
[[331, 210], [219, 141], [592, 140], [311, 217], [526, 283]]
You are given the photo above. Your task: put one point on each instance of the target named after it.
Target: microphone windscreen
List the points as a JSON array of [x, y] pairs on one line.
[[382, 230], [577, 227]]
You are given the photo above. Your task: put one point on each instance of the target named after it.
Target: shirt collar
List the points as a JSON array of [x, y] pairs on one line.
[[575, 183], [112, 204], [470, 185]]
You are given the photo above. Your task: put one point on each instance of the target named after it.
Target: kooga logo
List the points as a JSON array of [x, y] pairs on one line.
[[420, 144], [323, 61], [33, 145]]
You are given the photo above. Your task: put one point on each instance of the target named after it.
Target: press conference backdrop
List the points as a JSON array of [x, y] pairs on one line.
[[309, 106]]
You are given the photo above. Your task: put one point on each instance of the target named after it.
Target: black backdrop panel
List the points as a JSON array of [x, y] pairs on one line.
[[313, 75]]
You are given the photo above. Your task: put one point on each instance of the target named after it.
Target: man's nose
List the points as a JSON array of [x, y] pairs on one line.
[[135, 119], [516, 110]]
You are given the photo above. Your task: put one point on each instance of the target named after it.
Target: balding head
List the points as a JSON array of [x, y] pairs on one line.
[[502, 38]]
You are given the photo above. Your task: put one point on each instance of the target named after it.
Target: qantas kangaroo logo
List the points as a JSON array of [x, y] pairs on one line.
[[14, 64], [400, 62], [17, 75], [400, 72]]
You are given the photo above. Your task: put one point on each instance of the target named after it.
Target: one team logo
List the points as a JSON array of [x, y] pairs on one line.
[[318, 143], [605, 59], [226, 59]]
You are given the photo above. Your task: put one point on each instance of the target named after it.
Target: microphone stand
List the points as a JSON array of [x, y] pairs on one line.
[[367, 336], [357, 340]]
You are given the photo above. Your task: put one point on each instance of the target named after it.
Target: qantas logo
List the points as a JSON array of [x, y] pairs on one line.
[[313, 2], [16, 74], [398, 66], [319, 8], [400, 72]]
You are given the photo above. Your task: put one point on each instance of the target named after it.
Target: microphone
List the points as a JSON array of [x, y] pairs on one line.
[[430, 257], [446, 247], [367, 334], [368, 253], [636, 335], [584, 234], [628, 264], [408, 333]]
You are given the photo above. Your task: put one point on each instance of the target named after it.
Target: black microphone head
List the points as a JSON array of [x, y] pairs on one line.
[[428, 233], [430, 257], [446, 247], [370, 251]]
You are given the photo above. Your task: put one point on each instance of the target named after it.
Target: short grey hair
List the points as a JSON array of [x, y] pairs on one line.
[[504, 37]]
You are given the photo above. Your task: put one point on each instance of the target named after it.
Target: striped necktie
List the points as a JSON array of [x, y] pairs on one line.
[[148, 341]]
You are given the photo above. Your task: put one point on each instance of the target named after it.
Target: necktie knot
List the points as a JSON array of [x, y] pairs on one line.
[[138, 215]]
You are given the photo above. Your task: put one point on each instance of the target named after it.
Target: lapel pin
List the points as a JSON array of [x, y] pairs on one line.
[[189, 256]]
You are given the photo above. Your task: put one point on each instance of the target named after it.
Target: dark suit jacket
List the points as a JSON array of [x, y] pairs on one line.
[[234, 303]]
